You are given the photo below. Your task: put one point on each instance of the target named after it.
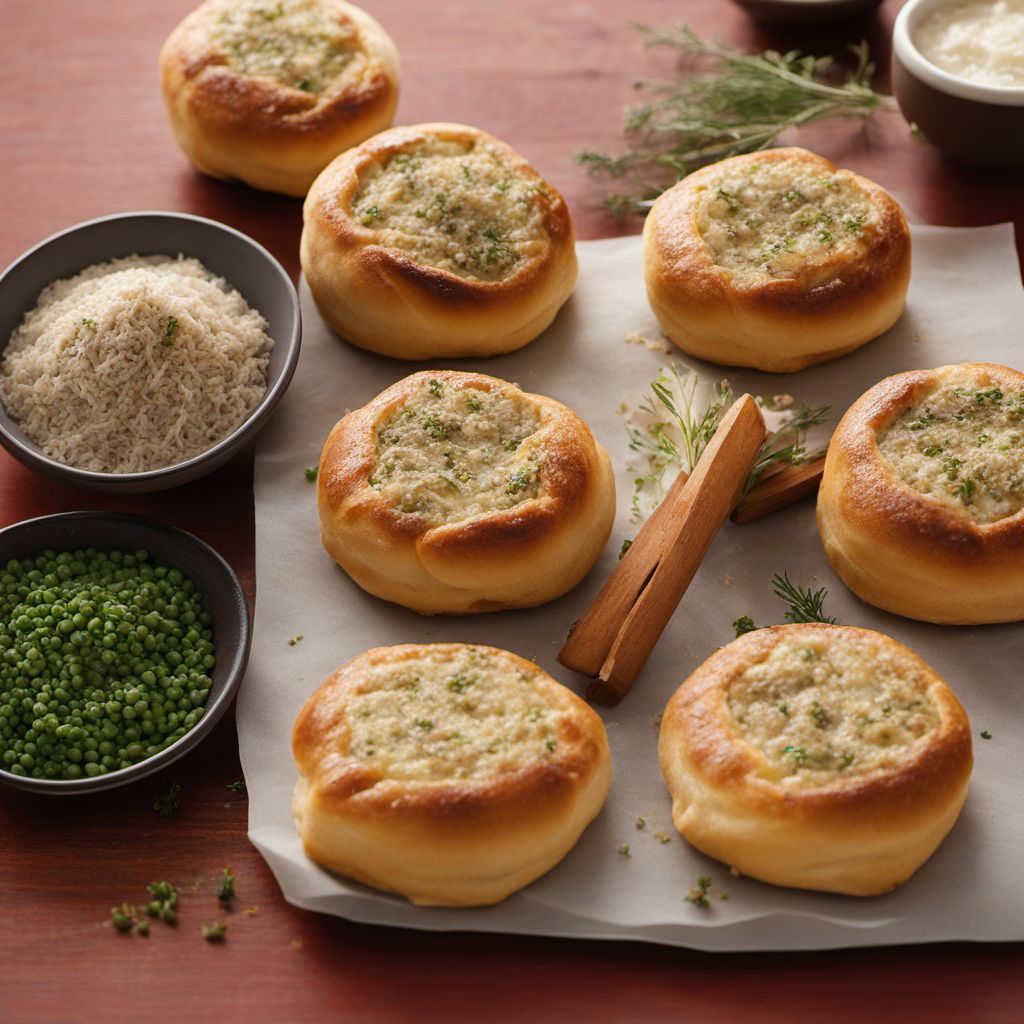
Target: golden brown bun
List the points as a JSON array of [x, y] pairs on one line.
[[907, 552], [261, 131], [824, 304], [468, 816], [857, 833], [514, 557], [388, 300]]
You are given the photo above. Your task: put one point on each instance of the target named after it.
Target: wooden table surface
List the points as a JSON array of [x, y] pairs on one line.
[[84, 134]]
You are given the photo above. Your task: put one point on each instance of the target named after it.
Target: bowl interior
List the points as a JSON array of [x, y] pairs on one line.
[[905, 48], [243, 263], [222, 597]]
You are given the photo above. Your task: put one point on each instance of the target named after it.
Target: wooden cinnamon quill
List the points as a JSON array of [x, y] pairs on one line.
[[615, 637]]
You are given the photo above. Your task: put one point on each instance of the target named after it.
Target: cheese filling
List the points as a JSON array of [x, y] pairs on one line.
[[456, 206], [820, 709], [441, 715], [772, 219], [452, 452], [297, 43], [962, 446]]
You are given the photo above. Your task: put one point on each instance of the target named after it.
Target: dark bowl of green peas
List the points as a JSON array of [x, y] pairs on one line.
[[122, 642]]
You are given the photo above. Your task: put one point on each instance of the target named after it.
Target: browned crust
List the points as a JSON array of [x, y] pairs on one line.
[[501, 831], [781, 324], [384, 300], [223, 117], [899, 549], [859, 834], [573, 512]]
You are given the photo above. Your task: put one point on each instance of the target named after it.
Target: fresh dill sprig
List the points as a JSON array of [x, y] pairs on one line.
[[675, 428], [724, 102], [804, 605]]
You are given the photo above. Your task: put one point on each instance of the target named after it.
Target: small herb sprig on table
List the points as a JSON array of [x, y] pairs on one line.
[[724, 102], [804, 605]]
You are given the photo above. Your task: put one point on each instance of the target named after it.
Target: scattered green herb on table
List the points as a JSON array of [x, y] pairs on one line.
[[724, 102], [226, 891], [238, 786], [217, 932], [698, 895], [985, 734], [804, 605], [641, 822], [107, 662], [624, 849], [744, 624], [311, 473], [294, 640], [168, 803]]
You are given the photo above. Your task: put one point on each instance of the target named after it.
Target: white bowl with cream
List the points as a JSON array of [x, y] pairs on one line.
[[958, 74]]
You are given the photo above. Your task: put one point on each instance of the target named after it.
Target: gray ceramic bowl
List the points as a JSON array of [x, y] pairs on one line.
[[976, 124], [246, 265], [806, 12], [223, 598]]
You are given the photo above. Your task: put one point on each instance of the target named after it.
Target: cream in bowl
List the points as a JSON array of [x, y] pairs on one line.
[[958, 74]]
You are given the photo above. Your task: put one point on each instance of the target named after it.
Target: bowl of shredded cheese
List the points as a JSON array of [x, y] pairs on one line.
[[141, 351]]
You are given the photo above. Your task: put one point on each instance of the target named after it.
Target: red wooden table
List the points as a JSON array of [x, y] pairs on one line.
[[84, 134]]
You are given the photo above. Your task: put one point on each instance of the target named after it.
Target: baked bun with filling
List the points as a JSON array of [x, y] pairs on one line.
[[436, 241], [775, 260], [921, 506], [452, 774], [455, 492], [816, 756], [269, 92]]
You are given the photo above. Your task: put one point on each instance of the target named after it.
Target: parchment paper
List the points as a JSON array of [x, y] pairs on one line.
[[965, 302]]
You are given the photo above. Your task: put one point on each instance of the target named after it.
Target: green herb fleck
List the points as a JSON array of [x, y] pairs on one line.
[[433, 426], [965, 492], [819, 715], [951, 467], [123, 917], [425, 723], [783, 708], [238, 786], [641, 822], [214, 932], [473, 404], [88, 322], [512, 443], [626, 545], [925, 419], [847, 760], [294, 640], [370, 214], [798, 755], [729, 199], [164, 904], [168, 803], [460, 683], [744, 624], [172, 327], [933, 451], [698, 895], [435, 388], [311, 473], [551, 744], [854, 223], [806, 654], [624, 849], [985, 734], [518, 481], [226, 891], [824, 235]]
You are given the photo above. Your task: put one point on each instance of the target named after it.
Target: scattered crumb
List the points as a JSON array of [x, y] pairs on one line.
[[623, 408], [727, 580], [641, 822], [657, 721], [651, 344], [251, 910], [698, 895], [624, 849], [296, 943], [734, 873], [294, 640], [662, 837]]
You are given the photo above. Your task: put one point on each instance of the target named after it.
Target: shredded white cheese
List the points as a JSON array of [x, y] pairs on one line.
[[826, 706], [454, 451], [471, 714], [962, 446], [135, 364], [302, 44], [770, 219], [456, 206]]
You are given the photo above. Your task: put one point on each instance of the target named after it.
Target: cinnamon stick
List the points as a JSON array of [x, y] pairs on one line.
[[615, 637], [782, 488]]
